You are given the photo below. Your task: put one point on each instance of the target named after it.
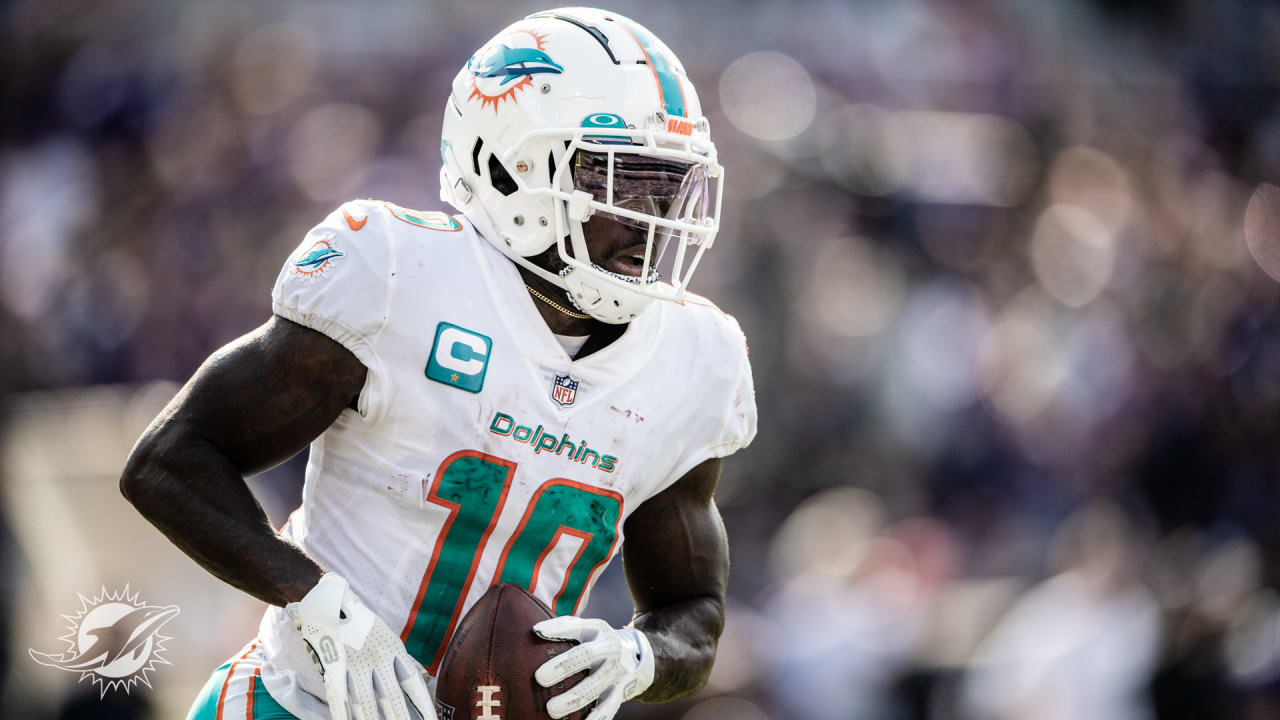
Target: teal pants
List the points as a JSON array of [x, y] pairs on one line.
[[235, 692]]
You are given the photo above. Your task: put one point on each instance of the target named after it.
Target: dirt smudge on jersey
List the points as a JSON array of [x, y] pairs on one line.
[[629, 414]]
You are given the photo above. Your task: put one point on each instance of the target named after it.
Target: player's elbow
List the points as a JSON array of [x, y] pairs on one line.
[[704, 639], [705, 642], [713, 618], [704, 616], [685, 637], [133, 482], [685, 670], [140, 480], [702, 660]]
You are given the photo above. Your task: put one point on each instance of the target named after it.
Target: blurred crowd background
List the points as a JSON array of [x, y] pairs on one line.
[[1008, 270]]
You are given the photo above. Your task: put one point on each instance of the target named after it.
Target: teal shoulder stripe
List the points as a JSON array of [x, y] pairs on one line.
[[668, 81], [206, 705], [265, 707]]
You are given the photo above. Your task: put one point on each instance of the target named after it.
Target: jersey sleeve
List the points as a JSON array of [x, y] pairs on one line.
[[738, 428], [338, 282], [727, 421]]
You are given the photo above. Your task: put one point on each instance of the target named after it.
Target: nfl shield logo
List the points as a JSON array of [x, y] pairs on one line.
[[564, 390]]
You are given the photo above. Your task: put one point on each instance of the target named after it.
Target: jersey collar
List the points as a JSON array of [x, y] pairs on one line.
[[609, 366]]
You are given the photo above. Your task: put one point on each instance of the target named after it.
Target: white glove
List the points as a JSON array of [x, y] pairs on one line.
[[364, 664], [620, 662]]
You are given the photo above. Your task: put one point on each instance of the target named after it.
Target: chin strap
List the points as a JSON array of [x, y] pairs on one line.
[[602, 300]]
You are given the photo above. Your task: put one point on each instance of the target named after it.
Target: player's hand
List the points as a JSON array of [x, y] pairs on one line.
[[619, 661], [365, 666]]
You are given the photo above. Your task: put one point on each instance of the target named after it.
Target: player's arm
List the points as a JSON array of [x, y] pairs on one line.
[[252, 405], [676, 557]]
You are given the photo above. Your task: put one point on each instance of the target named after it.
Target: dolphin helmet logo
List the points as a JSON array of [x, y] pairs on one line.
[[114, 640], [511, 63], [507, 65]]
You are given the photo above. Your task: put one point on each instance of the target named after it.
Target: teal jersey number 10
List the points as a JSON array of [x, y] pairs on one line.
[[473, 487]]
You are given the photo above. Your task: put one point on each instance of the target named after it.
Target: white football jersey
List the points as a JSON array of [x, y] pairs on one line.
[[480, 451]]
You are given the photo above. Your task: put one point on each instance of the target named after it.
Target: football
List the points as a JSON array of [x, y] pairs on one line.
[[487, 670]]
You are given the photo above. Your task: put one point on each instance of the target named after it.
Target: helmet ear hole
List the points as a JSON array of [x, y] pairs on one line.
[[500, 178], [475, 155], [551, 168]]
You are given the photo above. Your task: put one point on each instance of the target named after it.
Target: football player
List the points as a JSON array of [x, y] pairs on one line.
[[498, 395]]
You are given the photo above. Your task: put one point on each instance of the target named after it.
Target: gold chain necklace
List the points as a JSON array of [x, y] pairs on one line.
[[555, 305]]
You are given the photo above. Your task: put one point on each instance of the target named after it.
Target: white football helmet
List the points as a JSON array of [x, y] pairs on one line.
[[578, 113]]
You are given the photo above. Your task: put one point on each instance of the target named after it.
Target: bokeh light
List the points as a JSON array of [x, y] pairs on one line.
[[1088, 178], [1262, 228], [854, 289], [768, 95], [943, 330], [1022, 362], [726, 708], [326, 170], [273, 66], [1072, 253], [828, 533]]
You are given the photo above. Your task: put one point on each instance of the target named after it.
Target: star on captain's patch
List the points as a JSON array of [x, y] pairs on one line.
[[453, 377]]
